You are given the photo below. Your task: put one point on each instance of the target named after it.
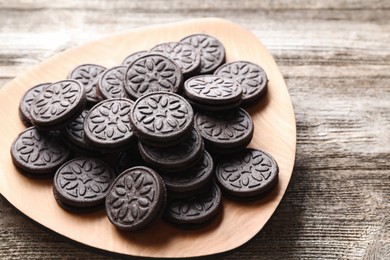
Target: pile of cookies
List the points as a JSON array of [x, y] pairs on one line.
[[163, 134]]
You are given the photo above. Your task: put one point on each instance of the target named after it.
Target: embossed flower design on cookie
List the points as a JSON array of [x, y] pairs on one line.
[[226, 130], [88, 75], [111, 83], [55, 100], [232, 125], [192, 207], [131, 203], [38, 150], [87, 179], [162, 113], [109, 121], [135, 199], [211, 50], [252, 172], [183, 54], [39, 154], [209, 88], [152, 73], [251, 77], [248, 75], [248, 174]]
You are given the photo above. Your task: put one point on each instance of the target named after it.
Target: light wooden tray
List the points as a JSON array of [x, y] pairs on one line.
[[274, 132]]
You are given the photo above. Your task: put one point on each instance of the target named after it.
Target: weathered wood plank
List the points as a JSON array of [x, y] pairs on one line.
[[335, 56]]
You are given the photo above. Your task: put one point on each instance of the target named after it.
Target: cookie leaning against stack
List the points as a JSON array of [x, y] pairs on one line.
[[162, 134]]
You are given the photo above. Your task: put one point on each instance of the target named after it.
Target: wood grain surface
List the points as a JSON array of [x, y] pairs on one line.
[[335, 57]]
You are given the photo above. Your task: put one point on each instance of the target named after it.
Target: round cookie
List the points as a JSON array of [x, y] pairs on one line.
[[212, 52], [107, 124], [161, 117], [82, 183], [192, 181], [247, 175], [111, 83], [174, 158], [132, 57], [251, 77], [88, 75], [57, 105], [195, 211], [183, 54], [152, 73], [38, 154], [135, 198], [212, 90], [26, 100], [225, 133]]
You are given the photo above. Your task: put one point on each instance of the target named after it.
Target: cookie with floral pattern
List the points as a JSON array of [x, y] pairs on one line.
[[57, 105], [152, 73], [211, 50], [250, 76], [39, 154], [248, 174], [111, 83], [88, 75], [161, 117], [107, 124], [227, 132], [135, 199], [212, 89], [82, 184], [183, 54]]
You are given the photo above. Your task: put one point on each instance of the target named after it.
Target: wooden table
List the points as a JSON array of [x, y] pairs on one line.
[[335, 57]]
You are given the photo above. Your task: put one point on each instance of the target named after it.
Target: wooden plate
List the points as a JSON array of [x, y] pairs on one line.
[[274, 132]]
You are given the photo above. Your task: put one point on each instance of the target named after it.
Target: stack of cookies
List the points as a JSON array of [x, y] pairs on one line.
[[162, 134]]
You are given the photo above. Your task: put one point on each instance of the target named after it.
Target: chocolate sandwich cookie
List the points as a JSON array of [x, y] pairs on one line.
[[183, 54], [135, 199], [195, 211], [26, 100], [212, 52], [174, 158], [151, 73], [225, 133], [88, 75], [81, 185], [192, 181], [247, 175], [132, 57], [39, 154], [107, 124], [57, 105], [213, 91], [251, 77], [161, 117], [74, 136], [111, 83]]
